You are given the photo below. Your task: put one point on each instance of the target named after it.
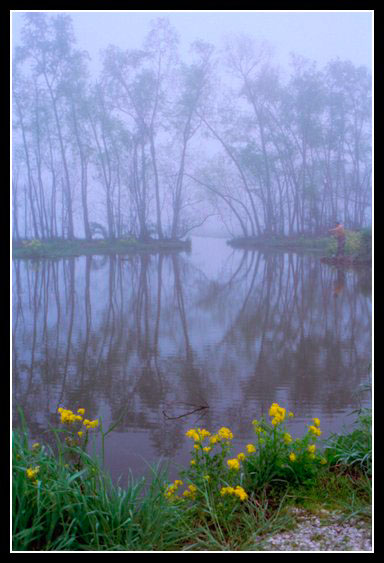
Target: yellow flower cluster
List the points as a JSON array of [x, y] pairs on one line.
[[90, 423], [238, 491], [67, 416], [315, 427], [31, 474], [233, 464], [292, 456], [287, 438], [277, 412], [250, 448], [198, 434], [190, 492], [171, 490], [225, 433], [241, 456]]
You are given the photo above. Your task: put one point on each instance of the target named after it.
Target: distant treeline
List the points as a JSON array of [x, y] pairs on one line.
[[154, 145]]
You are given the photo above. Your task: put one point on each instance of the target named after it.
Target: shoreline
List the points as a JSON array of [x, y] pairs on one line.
[[319, 245], [81, 247]]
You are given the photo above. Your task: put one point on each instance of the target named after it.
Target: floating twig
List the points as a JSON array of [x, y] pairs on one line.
[[185, 414]]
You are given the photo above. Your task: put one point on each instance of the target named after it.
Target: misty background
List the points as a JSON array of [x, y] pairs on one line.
[[171, 123]]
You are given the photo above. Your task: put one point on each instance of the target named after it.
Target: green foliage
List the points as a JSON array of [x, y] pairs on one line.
[[279, 458], [353, 242], [353, 449], [63, 500], [366, 241], [357, 244]]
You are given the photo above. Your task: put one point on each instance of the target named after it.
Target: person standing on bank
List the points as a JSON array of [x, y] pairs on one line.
[[339, 232]]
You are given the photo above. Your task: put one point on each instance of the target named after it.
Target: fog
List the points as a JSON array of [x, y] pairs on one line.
[[165, 124]]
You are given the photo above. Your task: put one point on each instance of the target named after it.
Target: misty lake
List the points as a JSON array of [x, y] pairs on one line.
[[221, 332]]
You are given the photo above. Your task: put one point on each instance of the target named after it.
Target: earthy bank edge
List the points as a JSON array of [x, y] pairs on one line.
[[79, 247]]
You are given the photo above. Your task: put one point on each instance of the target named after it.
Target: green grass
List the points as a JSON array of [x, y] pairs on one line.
[[305, 243], [71, 503], [60, 248]]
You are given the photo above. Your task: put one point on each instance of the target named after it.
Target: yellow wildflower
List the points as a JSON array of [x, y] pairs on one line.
[[90, 423], [214, 439], [292, 456], [192, 434], [241, 456], [311, 448], [207, 449], [287, 438], [277, 412], [290, 414], [193, 462], [227, 491], [233, 464], [198, 434], [225, 433], [316, 431], [35, 446], [171, 490], [239, 491], [250, 448], [81, 411], [316, 421], [273, 409], [80, 433], [191, 491], [32, 472]]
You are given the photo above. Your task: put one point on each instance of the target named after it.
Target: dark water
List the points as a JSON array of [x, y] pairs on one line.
[[151, 338]]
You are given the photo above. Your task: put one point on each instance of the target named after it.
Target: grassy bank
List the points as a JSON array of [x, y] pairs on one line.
[[358, 247], [313, 244], [79, 247], [63, 500]]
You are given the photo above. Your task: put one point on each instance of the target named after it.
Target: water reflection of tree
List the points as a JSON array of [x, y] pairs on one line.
[[295, 335], [125, 337]]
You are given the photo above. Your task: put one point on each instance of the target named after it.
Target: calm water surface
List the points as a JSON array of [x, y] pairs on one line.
[[151, 338]]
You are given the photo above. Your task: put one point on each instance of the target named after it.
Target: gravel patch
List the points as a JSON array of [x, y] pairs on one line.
[[324, 532]]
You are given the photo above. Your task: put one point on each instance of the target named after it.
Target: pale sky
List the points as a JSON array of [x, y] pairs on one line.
[[319, 35]]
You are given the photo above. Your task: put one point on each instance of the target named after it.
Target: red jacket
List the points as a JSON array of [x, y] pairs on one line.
[[338, 231]]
